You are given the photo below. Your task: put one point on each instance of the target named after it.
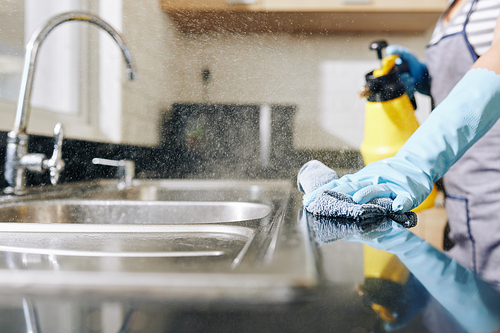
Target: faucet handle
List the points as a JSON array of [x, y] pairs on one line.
[[56, 164], [125, 171]]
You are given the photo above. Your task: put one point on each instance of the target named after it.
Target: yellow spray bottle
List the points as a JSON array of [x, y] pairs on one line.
[[389, 121], [389, 113]]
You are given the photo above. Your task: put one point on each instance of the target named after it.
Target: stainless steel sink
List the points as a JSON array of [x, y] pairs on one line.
[[170, 239]]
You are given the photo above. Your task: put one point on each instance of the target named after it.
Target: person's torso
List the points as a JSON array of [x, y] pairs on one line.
[[455, 46]]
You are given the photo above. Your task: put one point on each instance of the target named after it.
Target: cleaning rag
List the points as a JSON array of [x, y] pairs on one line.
[[330, 203]]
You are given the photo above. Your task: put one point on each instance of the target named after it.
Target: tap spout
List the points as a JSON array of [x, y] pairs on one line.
[[23, 105], [17, 158]]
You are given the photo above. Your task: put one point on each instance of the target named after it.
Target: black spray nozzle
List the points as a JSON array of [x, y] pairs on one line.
[[378, 46]]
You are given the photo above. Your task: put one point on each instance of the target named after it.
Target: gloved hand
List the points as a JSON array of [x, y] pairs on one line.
[[469, 111], [474, 303], [420, 79]]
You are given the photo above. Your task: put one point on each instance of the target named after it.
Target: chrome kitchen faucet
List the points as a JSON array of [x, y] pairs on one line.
[[17, 158]]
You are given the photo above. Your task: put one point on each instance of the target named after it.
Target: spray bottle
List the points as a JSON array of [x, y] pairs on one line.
[[389, 121], [389, 112]]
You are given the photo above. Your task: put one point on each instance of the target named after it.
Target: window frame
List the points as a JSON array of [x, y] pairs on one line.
[[86, 123]]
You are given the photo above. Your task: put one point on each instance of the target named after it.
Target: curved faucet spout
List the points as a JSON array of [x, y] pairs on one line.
[[17, 158], [23, 105]]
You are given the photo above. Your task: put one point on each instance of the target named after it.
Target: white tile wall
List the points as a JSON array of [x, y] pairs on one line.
[[154, 42]]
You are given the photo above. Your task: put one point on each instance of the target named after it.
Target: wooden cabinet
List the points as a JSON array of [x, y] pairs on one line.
[[208, 5], [317, 16], [354, 5]]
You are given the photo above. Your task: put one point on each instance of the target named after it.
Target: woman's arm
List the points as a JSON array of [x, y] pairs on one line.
[[491, 59], [462, 118]]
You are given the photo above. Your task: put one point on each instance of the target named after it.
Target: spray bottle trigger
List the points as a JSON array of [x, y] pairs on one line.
[[388, 64]]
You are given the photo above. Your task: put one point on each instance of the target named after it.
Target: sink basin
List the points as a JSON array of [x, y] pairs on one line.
[[174, 240], [90, 247], [131, 211]]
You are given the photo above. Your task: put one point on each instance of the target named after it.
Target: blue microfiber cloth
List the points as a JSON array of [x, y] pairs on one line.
[[330, 203]]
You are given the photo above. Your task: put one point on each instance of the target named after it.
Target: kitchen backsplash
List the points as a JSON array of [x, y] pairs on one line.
[[228, 141]]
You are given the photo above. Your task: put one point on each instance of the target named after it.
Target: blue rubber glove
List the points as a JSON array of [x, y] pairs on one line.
[[420, 79], [469, 111], [474, 303]]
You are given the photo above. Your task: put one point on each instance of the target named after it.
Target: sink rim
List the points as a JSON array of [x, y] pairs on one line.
[[109, 254], [39, 229], [263, 210], [124, 228], [131, 202]]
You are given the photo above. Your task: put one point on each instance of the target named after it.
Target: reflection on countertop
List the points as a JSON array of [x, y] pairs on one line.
[[449, 296]]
